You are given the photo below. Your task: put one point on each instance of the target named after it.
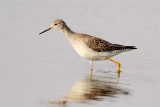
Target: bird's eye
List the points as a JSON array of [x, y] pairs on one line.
[[55, 24]]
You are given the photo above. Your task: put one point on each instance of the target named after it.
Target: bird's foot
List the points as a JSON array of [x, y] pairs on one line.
[[91, 72]]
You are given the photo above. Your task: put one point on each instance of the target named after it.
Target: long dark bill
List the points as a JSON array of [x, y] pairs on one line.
[[45, 31]]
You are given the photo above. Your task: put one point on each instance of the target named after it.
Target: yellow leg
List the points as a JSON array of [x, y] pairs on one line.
[[91, 67], [91, 62], [116, 63]]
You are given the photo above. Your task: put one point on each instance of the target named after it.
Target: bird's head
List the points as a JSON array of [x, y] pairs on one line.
[[57, 24]]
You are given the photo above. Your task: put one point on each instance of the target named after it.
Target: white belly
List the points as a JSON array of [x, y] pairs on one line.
[[89, 54]]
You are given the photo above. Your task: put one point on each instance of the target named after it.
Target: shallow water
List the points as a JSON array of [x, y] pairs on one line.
[[44, 71]]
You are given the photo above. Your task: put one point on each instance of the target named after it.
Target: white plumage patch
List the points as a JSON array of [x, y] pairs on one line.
[[84, 51]]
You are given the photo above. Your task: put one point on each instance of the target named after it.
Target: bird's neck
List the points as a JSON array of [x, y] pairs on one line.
[[67, 32]]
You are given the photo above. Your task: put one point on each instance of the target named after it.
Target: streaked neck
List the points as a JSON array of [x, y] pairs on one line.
[[67, 32]]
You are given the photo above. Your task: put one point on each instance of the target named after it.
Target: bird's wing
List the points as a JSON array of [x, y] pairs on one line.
[[100, 45]]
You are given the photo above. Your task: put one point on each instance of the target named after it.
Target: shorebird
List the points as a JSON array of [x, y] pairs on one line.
[[90, 47]]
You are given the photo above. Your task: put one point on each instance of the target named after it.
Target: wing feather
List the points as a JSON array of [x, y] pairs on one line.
[[100, 45]]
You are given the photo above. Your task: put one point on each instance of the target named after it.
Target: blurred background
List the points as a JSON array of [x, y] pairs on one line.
[[35, 69]]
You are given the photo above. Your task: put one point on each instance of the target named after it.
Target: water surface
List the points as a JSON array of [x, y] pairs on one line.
[[40, 71]]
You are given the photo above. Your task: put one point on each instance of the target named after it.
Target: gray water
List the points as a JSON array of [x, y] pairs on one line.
[[45, 71]]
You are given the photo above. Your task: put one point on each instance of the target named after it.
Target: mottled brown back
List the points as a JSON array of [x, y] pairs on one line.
[[100, 45]]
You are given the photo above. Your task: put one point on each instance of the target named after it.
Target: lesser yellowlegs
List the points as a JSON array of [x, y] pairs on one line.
[[90, 47]]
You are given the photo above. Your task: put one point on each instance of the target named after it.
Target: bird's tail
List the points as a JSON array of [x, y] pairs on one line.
[[130, 47]]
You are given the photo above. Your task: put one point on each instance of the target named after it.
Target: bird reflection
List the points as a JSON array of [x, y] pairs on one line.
[[95, 87]]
